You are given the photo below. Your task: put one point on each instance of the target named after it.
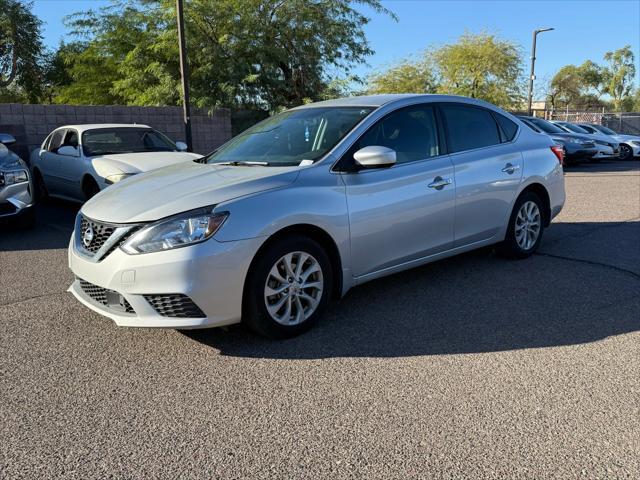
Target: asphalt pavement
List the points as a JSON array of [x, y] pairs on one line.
[[471, 367]]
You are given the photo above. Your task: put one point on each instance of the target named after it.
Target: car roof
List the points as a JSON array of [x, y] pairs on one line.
[[94, 126], [385, 99]]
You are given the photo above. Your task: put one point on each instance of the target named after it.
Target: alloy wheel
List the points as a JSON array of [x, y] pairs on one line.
[[293, 289], [528, 224]]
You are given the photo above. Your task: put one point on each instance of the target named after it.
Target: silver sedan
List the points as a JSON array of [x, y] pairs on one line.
[[309, 203]]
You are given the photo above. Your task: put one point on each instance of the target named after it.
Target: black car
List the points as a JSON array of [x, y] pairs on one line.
[[577, 147]]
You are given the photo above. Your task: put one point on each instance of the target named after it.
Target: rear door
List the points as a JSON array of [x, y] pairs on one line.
[[50, 163], [488, 169], [405, 212]]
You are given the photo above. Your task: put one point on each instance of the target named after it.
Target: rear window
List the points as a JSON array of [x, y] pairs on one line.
[[469, 127], [508, 127]]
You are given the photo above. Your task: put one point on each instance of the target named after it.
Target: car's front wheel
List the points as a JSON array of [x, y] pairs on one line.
[[626, 153], [288, 288], [526, 227]]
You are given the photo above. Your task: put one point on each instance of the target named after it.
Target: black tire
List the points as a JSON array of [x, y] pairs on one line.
[[626, 153], [509, 246], [90, 188], [255, 313], [41, 193]]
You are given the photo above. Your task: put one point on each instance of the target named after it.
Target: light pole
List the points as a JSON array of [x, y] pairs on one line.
[[533, 63], [184, 72]]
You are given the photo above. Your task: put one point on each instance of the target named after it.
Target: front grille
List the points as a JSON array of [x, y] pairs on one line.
[[106, 297], [175, 305], [101, 233]]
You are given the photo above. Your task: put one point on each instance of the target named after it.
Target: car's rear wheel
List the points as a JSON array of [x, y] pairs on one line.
[[526, 227], [288, 288], [626, 153]]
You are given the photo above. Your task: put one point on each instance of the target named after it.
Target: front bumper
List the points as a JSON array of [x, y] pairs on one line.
[[605, 152], [576, 152], [15, 199], [211, 274]]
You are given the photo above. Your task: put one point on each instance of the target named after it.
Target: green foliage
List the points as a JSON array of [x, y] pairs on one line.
[[477, 65], [256, 53], [21, 53], [405, 77], [583, 86], [620, 71]]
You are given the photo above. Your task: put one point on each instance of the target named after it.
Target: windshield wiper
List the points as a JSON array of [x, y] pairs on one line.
[[243, 163]]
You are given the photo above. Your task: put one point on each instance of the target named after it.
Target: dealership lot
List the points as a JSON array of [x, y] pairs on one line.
[[473, 366]]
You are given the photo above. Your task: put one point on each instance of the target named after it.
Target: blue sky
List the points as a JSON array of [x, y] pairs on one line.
[[585, 29]]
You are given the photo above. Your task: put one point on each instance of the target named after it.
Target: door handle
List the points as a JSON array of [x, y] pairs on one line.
[[439, 183], [510, 169]]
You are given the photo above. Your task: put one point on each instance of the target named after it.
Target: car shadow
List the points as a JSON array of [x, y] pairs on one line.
[[54, 224], [605, 166], [474, 303]]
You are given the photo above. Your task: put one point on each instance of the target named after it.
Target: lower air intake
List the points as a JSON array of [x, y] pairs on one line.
[[175, 305]]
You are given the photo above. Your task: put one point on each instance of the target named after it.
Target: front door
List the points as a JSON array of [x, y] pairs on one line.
[[405, 212]]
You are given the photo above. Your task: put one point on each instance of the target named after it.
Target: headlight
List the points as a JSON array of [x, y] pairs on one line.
[[18, 176], [111, 179], [179, 231], [559, 140], [635, 143]]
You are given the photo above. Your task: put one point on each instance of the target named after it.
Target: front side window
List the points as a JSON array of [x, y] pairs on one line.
[[105, 141], [290, 137], [56, 140], [71, 139], [411, 132], [469, 127]]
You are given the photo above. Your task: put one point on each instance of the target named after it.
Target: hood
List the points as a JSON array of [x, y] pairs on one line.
[[138, 162], [567, 136], [626, 138], [182, 187], [9, 160]]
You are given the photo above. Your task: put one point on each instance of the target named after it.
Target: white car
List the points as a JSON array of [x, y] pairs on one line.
[[77, 161], [629, 144]]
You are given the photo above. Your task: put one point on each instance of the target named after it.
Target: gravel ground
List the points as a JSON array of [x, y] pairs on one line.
[[472, 367]]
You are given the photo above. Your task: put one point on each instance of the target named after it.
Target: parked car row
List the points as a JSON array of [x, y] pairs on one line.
[[586, 142]]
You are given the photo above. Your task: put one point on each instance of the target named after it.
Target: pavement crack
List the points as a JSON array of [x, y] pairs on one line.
[[34, 297], [592, 262]]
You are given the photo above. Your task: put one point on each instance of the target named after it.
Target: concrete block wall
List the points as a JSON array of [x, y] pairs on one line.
[[30, 124]]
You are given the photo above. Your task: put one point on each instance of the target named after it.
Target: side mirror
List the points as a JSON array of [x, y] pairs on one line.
[[375, 156], [181, 146], [68, 151], [7, 139]]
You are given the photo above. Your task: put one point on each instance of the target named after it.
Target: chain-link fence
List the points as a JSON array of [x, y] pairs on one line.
[[627, 123]]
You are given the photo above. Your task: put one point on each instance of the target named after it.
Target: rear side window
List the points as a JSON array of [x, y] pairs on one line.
[[508, 127], [469, 127]]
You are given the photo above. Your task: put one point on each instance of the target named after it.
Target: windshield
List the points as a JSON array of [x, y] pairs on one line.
[[545, 126], [605, 130], [574, 128], [104, 141], [290, 137]]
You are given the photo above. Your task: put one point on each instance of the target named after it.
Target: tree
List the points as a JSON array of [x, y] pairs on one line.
[[619, 75], [481, 66], [265, 53], [405, 77], [21, 51], [477, 65]]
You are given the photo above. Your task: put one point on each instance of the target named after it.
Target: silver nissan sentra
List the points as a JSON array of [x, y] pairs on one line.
[[295, 211]]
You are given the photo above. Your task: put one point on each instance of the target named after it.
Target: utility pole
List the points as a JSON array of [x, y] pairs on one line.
[[184, 72], [532, 75]]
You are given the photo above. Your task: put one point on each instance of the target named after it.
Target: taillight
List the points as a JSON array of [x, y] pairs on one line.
[[559, 152]]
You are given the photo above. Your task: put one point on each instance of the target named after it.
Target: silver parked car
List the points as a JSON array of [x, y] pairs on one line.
[[16, 198], [310, 203]]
